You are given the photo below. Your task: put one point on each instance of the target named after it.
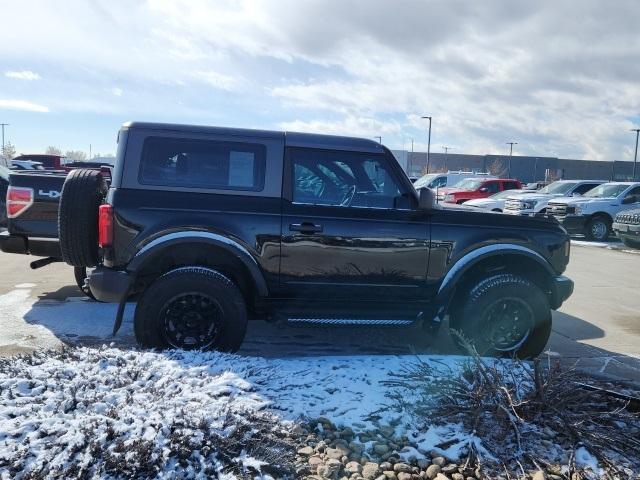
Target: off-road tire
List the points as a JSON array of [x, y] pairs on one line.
[[82, 193], [589, 228], [468, 318], [80, 274], [150, 316], [630, 242]]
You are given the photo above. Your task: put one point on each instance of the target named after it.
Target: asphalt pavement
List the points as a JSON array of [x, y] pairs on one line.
[[598, 328]]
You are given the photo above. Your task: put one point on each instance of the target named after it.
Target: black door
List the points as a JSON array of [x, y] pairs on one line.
[[350, 230]]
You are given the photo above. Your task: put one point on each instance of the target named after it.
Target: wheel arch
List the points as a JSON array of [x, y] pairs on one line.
[[503, 258], [601, 213], [180, 249]]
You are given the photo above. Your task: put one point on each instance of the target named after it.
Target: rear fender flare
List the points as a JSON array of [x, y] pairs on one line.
[[153, 248]]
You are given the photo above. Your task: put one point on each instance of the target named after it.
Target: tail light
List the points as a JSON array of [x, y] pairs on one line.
[[19, 199], [105, 225]]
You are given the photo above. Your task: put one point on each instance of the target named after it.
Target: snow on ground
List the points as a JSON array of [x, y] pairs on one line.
[[611, 245], [58, 409]]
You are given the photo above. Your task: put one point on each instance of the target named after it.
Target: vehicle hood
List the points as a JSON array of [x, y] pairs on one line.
[[453, 191], [534, 196], [568, 200], [481, 201]]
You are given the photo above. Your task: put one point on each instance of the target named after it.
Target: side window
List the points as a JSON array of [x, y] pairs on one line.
[[584, 188], [440, 182], [345, 179], [493, 187], [634, 192], [192, 163], [510, 185]]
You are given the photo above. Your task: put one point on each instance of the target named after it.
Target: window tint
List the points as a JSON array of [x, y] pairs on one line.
[[342, 179], [510, 185], [493, 187], [178, 162], [633, 191], [439, 182], [582, 189]]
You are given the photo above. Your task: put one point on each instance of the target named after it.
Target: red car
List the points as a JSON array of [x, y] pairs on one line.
[[471, 188]]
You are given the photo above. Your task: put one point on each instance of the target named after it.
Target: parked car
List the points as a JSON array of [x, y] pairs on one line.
[[495, 202], [26, 165], [441, 180], [535, 185], [593, 213], [536, 202], [626, 226], [206, 227], [48, 162], [4, 184], [32, 226], [472, 188]]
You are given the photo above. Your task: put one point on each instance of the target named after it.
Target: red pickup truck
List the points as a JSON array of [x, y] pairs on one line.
[[472, 188]]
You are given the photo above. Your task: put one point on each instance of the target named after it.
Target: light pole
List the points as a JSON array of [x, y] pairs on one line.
[[3, 125], [446, 149], [511, 144], [428, 143], [635, 158]]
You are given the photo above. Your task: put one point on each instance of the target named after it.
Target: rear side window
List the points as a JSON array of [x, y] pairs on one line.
[[584, 188], [510, 186], [180, 162], [492, 187]]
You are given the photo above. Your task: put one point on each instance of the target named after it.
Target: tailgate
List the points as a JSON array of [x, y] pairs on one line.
[[41, 218]]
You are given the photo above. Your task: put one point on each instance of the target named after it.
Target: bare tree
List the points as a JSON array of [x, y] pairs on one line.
[[51, 150], [9, 150], [496, 167], [76, 155]]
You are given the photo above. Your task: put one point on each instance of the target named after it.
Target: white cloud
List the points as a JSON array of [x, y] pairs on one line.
[[23, 105], [116, 91], [216, 80], [22, 75]]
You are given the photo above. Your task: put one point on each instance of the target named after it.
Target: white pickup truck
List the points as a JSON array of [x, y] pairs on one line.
[[592, 214], [533, 203]]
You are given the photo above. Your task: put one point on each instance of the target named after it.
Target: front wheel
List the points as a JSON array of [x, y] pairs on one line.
[[598, 229], [191, 308], [504, 315]]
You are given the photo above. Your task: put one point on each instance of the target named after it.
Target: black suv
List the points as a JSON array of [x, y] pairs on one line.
[[207, 227]]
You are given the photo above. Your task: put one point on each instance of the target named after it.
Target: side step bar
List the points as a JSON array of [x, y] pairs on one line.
[[350, 321]]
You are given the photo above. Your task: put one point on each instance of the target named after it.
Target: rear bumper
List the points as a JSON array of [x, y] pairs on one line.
[[561, 289], [573, 223], [38, 246], [626, 229], [109, 285]]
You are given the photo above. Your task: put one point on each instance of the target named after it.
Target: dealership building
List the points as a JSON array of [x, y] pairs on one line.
[[525, 169]]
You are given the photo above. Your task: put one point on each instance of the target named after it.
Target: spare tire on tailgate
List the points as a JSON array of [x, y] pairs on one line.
[[82, 193]]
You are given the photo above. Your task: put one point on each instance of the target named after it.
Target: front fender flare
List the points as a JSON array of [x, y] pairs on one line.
[[472, 258], [197, 237]]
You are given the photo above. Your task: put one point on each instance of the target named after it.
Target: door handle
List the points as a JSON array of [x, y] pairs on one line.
[[305, 227]]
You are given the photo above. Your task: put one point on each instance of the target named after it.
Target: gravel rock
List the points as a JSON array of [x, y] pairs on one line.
[[386, 466], [440, 476], [447, 469], [539, 475], [370, 470], [381, 448], [306, 451], [315, 461], [439, 461], [402, 467], [404, 476], [353, 467], [390, 474], [457, 476], [432, 471]]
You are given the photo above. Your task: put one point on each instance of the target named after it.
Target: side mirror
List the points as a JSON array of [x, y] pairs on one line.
[[427, 199], [629, 199]]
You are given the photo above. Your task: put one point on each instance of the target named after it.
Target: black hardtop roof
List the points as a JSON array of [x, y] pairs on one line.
[[292, 139]]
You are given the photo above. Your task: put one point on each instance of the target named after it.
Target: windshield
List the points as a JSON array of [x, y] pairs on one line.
[[4, 172], [606, 190], [424, 180], [558, 187], [469, 184]]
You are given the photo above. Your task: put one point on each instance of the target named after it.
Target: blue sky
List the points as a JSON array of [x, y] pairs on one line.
[[559, 77]]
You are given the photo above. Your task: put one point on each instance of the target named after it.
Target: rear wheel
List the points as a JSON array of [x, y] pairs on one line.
[[598, 229], [191, 308], [504, 315], [82, 193], [631, 243]]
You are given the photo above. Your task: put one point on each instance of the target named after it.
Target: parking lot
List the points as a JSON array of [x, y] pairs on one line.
[[598, 328]]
